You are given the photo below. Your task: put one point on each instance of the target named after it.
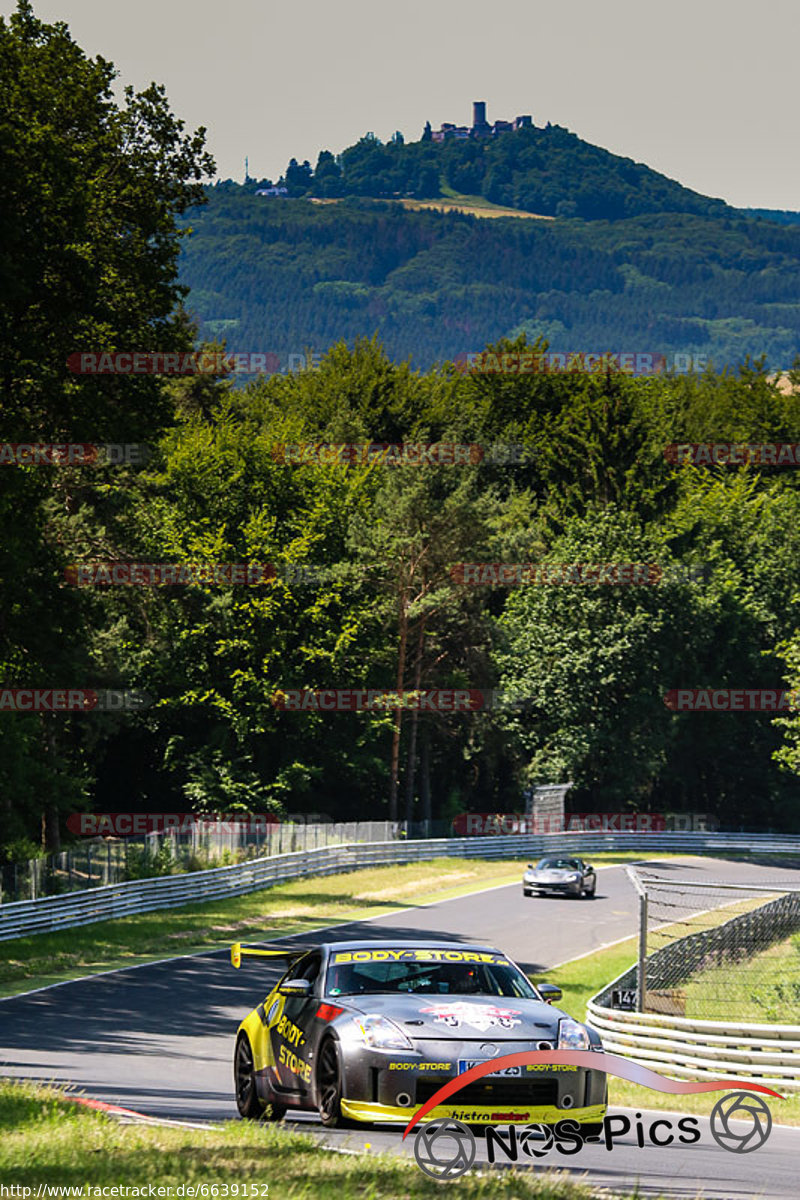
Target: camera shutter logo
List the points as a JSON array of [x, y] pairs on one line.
[[537, 1140], [444, 1148], [741, 1106]]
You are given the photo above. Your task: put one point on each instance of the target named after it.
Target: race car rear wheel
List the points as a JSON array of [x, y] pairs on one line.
[[329, 1086], [244, 1077]]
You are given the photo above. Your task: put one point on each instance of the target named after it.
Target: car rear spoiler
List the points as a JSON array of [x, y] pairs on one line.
[[238, 951]]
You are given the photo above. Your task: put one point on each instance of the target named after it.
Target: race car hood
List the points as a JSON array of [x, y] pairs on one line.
[[425, 1016]]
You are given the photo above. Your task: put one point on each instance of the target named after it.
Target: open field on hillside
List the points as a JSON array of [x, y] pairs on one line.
[[473, 209], [474, 206]]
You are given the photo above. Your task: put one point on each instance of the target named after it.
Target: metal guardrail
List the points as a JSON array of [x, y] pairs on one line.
[[694, 1049], [54, 913]]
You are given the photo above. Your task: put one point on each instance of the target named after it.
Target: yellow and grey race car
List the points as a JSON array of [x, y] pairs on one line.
[[368, 1031]]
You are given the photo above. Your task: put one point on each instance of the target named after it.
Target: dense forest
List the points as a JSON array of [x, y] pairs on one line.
[[550, 171], [288, 275], [584, 668], [781, 216]]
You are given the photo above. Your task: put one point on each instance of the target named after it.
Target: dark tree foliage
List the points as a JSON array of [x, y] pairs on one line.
[[365, 589], [286, 275], [531, 169], [90, 193]]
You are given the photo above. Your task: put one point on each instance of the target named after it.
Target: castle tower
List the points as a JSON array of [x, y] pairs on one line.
[[480, 126]]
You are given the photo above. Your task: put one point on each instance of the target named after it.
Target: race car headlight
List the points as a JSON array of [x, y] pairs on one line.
[[574, 877], [572, 1035], [382, 1034]]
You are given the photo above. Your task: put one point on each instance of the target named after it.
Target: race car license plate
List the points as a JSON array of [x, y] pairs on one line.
[[464, 1064]]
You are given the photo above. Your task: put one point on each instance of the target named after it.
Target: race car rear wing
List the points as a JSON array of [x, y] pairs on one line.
[[287, 952]]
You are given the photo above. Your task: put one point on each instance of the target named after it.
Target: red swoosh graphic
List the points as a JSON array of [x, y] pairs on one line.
[[610, 1064]]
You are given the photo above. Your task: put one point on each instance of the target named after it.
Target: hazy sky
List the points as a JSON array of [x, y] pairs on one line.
[[703, 90]]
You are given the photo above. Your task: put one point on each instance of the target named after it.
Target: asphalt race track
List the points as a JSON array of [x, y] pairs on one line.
[[159, 1038]]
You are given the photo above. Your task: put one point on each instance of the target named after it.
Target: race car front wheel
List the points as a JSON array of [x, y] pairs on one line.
[[329, 1086], [244, 1077]]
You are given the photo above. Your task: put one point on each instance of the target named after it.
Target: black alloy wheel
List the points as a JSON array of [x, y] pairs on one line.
[[244, 1077], [329, 1087]]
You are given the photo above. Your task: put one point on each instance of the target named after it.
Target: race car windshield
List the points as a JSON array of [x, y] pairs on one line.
[[558, 864], [414, 976]]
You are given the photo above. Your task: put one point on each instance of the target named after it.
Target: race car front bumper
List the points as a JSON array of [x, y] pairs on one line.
[[364, 1111], [384, 1087], [573, 887]]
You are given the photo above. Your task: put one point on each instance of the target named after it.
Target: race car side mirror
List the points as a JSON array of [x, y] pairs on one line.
[[549, 992], [295, 987], [530, 866]]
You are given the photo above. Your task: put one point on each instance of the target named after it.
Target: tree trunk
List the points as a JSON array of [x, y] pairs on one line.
[[394, 781], [425, 780], [51, 832], [411, 773]]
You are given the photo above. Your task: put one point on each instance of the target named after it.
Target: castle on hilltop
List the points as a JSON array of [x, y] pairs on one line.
[[480, 126]]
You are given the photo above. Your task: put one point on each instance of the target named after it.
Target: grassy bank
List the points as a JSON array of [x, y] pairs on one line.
[[289, 908], [765, 987], [50, 1141]]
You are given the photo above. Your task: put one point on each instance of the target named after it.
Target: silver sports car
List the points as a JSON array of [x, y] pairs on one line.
[[568, 876]]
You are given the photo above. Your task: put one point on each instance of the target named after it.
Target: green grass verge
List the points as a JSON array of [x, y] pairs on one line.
[[764, 987], [49, 1141], [290, 908]]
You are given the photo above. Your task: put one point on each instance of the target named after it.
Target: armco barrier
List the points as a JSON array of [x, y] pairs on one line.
[[147, 895]]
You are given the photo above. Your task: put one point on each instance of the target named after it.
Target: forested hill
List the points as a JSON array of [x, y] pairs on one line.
[[781, 216], [287, 275], [550, 171]]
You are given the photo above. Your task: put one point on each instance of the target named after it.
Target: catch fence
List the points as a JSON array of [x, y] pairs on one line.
[[713, 950], [716, 989], [99, 862], [147, 895]]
